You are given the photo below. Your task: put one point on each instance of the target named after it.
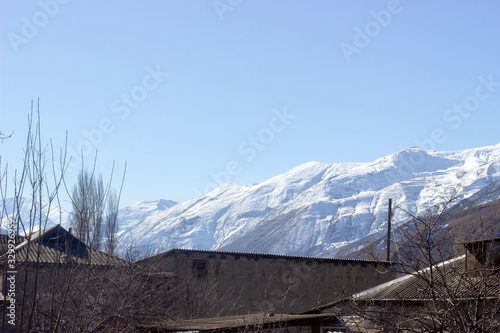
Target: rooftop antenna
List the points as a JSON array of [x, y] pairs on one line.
[[389, 215]]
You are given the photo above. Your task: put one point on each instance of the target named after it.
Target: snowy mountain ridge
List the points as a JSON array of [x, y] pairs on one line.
[[316, 208], [44, 215]]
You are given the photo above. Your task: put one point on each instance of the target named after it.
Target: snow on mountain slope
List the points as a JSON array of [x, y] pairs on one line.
[[49, 215], [315, 208], [224, 213], [132, 216]]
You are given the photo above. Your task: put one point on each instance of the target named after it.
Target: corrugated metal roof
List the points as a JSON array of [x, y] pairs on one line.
[[249, 321], [43, 254], [266, 255], [451, 280], [4, 238]]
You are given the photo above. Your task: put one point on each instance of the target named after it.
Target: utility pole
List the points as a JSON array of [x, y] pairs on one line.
[[389, 215]]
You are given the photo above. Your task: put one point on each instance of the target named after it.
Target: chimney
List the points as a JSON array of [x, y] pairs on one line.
[[389, 215]]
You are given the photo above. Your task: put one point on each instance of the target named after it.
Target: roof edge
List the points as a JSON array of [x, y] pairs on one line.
[[271, 255]]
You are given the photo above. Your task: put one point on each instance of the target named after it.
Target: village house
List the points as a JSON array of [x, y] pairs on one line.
[[52, 268], [216, 283], [459, 294]]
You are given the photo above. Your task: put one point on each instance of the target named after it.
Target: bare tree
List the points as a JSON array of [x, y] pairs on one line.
[[88, 200], [32, 189], [58, 290], [111, 226]]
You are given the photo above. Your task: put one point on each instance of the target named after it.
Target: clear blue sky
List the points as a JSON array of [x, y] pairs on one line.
[[193, 93]]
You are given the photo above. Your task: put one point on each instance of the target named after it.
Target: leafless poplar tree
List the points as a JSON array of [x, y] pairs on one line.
[[88, 200], [111, 226]]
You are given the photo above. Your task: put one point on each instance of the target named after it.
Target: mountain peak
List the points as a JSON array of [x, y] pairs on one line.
[[163, 204], [315, 208]]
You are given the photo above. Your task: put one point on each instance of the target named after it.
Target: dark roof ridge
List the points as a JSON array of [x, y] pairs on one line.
[[36, 235], [46, 255]]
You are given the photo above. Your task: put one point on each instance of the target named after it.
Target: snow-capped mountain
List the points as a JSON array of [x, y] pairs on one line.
[[44, 215], [132, 216], [315, 208]]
